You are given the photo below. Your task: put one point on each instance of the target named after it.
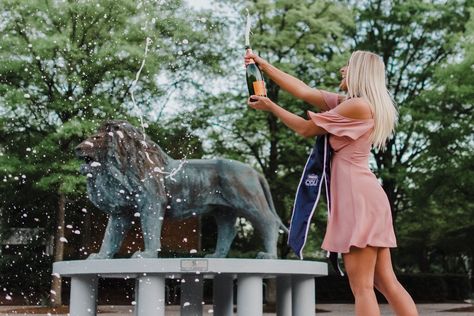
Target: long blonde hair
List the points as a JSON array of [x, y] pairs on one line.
[[366, 79]]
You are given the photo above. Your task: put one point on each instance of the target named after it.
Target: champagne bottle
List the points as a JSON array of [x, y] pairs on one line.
[[254, 77], [255, 83]]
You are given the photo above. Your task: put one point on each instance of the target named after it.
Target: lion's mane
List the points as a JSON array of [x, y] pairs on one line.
[[130, 162]]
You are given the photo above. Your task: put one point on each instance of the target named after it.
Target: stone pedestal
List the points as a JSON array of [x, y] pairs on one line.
[[295, 282]]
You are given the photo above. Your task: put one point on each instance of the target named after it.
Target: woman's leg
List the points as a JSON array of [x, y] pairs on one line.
[[360, 266], [386, 282]]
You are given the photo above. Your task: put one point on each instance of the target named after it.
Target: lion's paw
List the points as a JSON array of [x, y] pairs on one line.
[[265, 255], [145, 254], [98, 256]]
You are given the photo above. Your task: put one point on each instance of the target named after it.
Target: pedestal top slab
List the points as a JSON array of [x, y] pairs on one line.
[[133, 267]]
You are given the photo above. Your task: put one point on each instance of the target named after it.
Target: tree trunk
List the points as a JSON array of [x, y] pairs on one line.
[[423, 261], [56, 286], [272, 93]]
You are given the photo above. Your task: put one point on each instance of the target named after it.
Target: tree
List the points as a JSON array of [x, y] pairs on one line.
[[300, 37], [66, 67], [442, 179], [412, 37]]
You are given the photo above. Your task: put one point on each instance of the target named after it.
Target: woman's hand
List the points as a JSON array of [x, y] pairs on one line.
[[301, 126], [258, 60], [260, 103]]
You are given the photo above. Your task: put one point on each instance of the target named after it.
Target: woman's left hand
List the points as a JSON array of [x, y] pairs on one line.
[[260, 103]]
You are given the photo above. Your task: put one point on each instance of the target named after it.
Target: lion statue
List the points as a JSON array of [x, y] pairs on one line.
[[130, 176]]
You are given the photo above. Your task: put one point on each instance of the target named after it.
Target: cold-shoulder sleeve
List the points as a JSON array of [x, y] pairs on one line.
[[339, 125], [331, 99]]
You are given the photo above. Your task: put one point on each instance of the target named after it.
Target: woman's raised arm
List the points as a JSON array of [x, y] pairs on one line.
[[289, 83]]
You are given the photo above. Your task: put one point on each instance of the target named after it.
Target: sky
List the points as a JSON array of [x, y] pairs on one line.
[[200, 4]]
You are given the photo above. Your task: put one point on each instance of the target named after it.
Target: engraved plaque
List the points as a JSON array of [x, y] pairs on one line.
[[194, 265]]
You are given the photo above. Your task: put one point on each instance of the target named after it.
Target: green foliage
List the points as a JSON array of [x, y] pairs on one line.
[[67, 67], [413, 38], [301, 38], [311, 40], [440, 200]]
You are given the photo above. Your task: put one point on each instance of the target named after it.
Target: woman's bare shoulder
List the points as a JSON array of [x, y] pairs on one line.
[[356, 108]]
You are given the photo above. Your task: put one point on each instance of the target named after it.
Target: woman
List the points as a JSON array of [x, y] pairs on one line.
[[360, 226]]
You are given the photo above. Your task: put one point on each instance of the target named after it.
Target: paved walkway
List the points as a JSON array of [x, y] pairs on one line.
[[332, 310]]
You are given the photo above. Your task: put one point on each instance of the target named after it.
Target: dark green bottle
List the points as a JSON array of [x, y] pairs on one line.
[[255, 82]]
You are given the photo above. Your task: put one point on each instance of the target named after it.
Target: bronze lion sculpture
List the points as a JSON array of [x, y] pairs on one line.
[[130, 176]]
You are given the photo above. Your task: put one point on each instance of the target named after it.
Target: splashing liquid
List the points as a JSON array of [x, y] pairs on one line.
[[143, 142]]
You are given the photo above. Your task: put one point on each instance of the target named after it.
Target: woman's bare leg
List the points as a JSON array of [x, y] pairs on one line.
[[360, 266], [386, 282]]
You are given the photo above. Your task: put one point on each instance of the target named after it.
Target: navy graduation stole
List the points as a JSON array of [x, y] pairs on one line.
[[316, 172]]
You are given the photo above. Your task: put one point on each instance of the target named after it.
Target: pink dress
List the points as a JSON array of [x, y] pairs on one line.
[[360, 210]]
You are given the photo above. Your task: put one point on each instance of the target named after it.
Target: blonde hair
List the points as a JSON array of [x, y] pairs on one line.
[[366, 79]]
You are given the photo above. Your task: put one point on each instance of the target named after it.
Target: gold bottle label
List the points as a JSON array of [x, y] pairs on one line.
[[259, 88]]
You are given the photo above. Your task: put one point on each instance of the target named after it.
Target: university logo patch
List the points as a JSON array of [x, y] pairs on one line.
[[312, 180]]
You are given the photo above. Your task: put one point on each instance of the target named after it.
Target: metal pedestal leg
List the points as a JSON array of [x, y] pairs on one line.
[[303, 294], [283, 295], [191, 295], [249, 295], [150, 295], [223, 295], [83, 295]]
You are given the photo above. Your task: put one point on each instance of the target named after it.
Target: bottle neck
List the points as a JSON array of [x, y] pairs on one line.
[[249, 50]]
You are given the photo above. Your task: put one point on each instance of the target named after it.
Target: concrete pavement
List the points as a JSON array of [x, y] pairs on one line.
[[325, 309]]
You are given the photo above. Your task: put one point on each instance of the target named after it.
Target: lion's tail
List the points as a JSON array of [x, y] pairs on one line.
[[268, 196]]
